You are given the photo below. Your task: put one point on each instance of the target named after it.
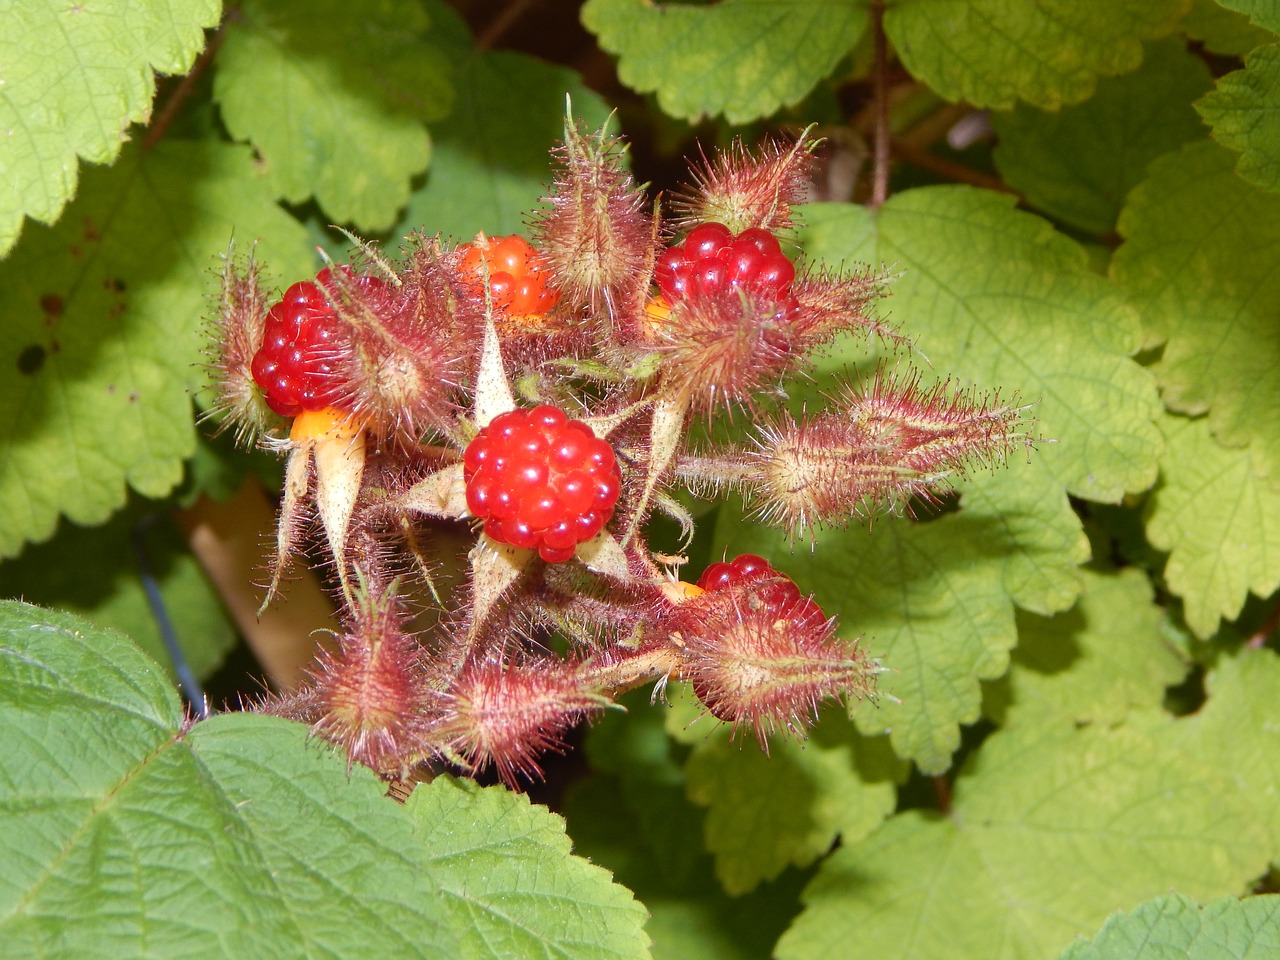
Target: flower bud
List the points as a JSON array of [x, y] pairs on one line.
[[750, 662], [727, 349], [874, 452], [408, 350], [371, 693], [505, 714], [598, 236], [742, 191]]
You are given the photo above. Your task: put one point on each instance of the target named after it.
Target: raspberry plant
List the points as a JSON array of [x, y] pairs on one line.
[[1071, 658], [444, 400]]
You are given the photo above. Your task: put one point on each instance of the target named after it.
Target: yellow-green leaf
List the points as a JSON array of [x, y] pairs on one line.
[[73, 77]]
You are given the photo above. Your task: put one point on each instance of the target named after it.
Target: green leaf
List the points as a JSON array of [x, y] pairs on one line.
[[1031, 539], [1174, 926], [94, 571], [128, 834], [75, 78], [334, 96], [1094, 663], [1262, 12], [1047, 52], [634, 747], [744, 59], [1078, 164], [1000, 300], [490, 162], [927, 601], [787, 807], [1239, 729], [1212, 512], [1052, 828], [1199, 261], [1244, 112], [691, 918], [105, 334], [1223, 31], [510, 884]]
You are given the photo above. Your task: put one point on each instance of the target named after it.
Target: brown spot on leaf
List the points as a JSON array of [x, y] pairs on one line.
[[52, 304], [133, 397], [31, 359]]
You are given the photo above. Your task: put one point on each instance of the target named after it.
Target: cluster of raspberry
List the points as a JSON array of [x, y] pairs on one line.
[[540, 396]]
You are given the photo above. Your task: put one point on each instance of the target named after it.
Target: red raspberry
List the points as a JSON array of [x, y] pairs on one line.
[[778, 593], [712, 260], [517, 277], [301, 342], [541, 481]]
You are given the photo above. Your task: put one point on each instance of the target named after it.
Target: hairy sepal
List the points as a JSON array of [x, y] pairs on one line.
[[339, 453], [236, 335], [495, 567], [874, 450], [743, 191], [603, 554], [754, 667], [294, 513], [442, 494], [597, 235]]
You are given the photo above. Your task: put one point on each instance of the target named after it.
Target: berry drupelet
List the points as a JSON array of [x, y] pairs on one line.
[[712, 260], [541, 481]]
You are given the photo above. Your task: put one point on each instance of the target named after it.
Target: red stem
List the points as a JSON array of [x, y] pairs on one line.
[[942, 791], [501, 23], [880, 168], [180, 93], [1259, 638]]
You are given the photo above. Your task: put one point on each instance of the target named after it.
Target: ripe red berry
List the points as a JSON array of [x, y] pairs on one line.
[[541, 481], [713, 260], [301, 343], [778, 593], [517, 274]]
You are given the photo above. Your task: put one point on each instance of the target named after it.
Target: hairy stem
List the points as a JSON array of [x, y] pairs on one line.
[[620, 676]]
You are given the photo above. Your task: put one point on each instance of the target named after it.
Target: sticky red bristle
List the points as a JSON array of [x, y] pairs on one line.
[[506, 715], [743, 191], [751, 666], [371, 693]]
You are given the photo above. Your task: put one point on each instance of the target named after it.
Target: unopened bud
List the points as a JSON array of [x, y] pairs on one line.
[[727, 349], [751, 663], [408, 350], [371, 693], [506, 715], [874, 452], [598, 236], [742, 191]]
